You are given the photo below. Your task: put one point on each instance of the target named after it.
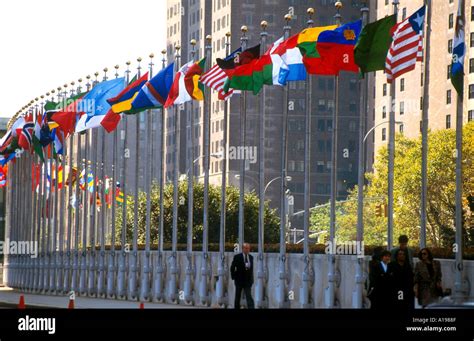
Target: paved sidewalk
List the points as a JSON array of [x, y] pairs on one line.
[[10, 298]]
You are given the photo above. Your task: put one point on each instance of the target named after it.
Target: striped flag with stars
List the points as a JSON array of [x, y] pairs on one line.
[[215, 78], [407, 45]]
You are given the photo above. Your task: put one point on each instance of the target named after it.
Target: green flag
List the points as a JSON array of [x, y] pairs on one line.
[[373, 45], [49, 106]]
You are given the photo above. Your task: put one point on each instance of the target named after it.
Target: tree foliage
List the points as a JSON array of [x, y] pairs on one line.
[[407, 193], [271, 220]]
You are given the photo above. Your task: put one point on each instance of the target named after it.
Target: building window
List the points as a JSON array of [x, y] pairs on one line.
[[471, 40], [352, 126], [471, 65], [472, 13], [384, 134], [402, 108], [321, 125], [451, 21], [470, 115], [320, 167], [402, 84], [448, 121], [321, 105], [329, 125], [321, 84], [471, 91], [384, 112], [448, 97], [352, 106], [404, 13], [450, 46], [422, 79], [421, 103], [385, 90], [321, 146], [449, 72], [401, 128]]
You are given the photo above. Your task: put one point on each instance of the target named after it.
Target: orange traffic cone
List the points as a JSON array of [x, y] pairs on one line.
[[21, 304], [71, 304], [142, 305]]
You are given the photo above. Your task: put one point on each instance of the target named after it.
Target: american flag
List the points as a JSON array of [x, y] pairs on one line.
[[407, 46], [215, 78]]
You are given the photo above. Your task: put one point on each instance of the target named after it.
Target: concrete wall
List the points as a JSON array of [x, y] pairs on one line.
[[19, 272]]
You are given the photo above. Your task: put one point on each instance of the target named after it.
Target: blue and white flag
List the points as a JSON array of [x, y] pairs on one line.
[[95, 105], [459, 51]]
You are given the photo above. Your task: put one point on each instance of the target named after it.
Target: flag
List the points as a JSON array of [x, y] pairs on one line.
[[336, 50], [307, 43], [459, 51], [72, 177], [4, 159], [96, 105], [215, 78], [25, 136], [186, 85], [57, 141], [38, 148], [290, 67], [17, 126], [51, 106], [245, 57], [372, 48], [407, 45], [66, 117], [119, 195], [6, 140], [155, 92], [240, 69], [123, 101]]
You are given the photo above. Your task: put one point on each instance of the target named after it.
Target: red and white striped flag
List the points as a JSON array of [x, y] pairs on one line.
[[407, 46], [215, 78]]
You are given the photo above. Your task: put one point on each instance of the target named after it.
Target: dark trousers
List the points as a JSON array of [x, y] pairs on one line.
[[248, 295]]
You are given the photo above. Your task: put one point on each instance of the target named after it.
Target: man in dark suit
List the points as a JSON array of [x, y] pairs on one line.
[[241, 272]]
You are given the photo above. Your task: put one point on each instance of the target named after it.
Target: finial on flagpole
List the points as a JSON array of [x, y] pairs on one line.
[[127, 72], [116, 67], [105, 73], [79, 86], [72, 88], [310, 12], [163, 58], [96, 74], [152, 55], [193, 43], [88, 85], [338, 16], [139, 67], [288, 18]]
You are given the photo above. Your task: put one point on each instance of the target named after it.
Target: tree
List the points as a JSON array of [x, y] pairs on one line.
[[407, 188], [272, 223]]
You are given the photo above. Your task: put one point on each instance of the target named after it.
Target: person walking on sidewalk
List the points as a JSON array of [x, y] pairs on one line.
[[241, 272]]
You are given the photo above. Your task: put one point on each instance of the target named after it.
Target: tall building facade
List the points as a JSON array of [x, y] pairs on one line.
[[194, 19], [410, 86]]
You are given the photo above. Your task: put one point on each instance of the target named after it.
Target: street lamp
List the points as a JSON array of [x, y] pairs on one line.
[[288, 179], [185, 175]]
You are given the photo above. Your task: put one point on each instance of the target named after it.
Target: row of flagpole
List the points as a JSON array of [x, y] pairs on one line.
[[86, 225]]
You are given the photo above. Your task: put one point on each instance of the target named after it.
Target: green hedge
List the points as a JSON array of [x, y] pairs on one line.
[[443, 253]]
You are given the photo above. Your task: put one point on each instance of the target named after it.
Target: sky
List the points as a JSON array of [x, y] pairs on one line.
[[47, 43]]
